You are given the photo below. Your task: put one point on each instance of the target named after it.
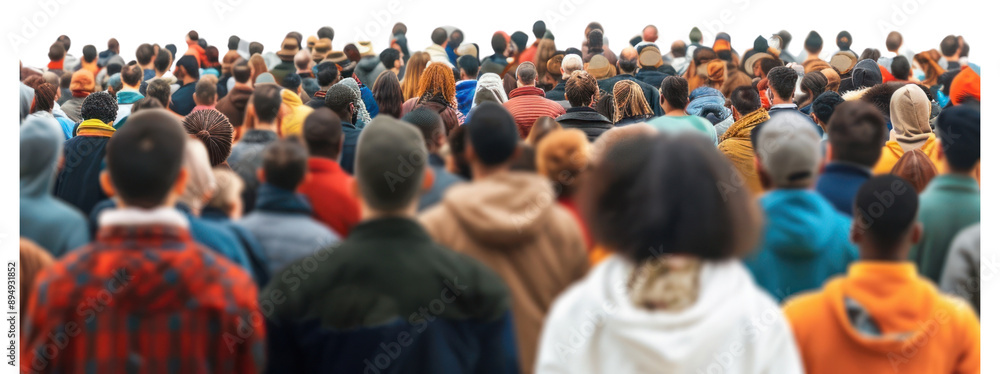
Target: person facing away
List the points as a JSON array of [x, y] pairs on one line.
[[263, 110], [909, 114], [282, 221], [582, 92], [182, 100], [672, 296], [165, 289], [431, 126], [341, 100], [855, 132], [735, 143], [674, 99], [403, 302], [882, 316], [328, 186], [510, 221], [950, 202], [78, 182], [527, 102], [51, 223], [805, 239]]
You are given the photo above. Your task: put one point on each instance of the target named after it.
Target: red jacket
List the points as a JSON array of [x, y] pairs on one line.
[[528, 103], [329, 191]]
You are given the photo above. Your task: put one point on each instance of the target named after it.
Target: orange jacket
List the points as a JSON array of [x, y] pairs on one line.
[[892, 152], [921, 330]]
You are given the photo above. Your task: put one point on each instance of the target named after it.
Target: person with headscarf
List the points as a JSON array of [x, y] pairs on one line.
[[359, 104], [909, 113], [54, 225], [489, 88]]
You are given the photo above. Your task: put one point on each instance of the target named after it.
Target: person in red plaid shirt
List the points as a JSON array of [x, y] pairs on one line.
[[144, 297]]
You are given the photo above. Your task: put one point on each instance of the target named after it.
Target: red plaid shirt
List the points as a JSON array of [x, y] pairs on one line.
[[143, 299]]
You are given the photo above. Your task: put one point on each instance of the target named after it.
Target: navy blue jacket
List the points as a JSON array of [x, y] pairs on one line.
[[351, 134], [79, 182], [388, 300], [840, 182], [182, 100]]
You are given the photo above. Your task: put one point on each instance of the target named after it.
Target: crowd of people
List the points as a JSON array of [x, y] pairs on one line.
[[508, 208]]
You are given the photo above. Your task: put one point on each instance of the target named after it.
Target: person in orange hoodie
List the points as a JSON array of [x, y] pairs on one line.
[[882, 317], [194, 49], [909, 112]]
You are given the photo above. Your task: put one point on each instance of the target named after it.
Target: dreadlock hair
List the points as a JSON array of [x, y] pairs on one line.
[[629, 101], [437, 79], [214, 130]]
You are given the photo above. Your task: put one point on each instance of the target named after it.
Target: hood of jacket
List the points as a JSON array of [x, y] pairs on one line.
[[800, 223], [722, 315], [128, 97], [41, 146], [891, 294], [275, 199], [465, 91], [910, 113], [502, 209]]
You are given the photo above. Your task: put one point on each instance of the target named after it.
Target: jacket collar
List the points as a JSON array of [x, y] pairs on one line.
[[954, 183], [526, 91], [259, 136], [275, 199], [742, 128], [322, 165], [128, 96], [584, 113], [841, 167], [390, 227], [161, 216], [95, 127]]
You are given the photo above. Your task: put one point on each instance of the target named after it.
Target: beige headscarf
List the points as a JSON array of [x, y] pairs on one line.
[[909, 111], [201, 182]]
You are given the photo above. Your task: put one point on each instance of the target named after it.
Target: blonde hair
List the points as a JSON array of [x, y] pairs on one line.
[[228, 187], [201, 183], [562, 156], [630, 101], [411, 77]]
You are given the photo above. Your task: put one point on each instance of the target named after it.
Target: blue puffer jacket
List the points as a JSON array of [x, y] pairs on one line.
[[805, 242]]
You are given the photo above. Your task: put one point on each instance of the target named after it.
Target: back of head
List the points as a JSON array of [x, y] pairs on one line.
[[893, 41], [595, 40], [745, 99], [526, 73], [144, 53], [159, 89], [89, 53], [581, 88], [492, 133], [871, 54], [788, 148], [144, 158], [57, 51], [844, 40], [915, 167], [390, 162], [499, 42], [99, 105], [291, 82], [469, 65], [813, 83], [832, 79], [825, 104], [429, 123], [674, 90], [695, 35], [782, 81], [214, 130], [628, 100], [163, 60], [958, 134], [302, 59], [628, 60], [131, 75], [327, 73], [885, 223], [563, 156], [768, 64], [949, 45], [813, 43], [542, 127], [439, 36], [241, 72], [900, 68], [147, 102], [285, 164], [388, 57], [266, 100], [678, 48], [571, 63], [255, 48], [234, 42], [455, 39], [228, 187], [624, 203], [205, 91], [856, 132], [325, 32], [339, 97], [322, 133]]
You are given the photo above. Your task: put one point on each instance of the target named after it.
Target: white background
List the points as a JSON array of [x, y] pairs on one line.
[[30, 27]]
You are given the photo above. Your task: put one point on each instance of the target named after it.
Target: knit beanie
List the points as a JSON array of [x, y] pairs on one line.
[[964, 86]]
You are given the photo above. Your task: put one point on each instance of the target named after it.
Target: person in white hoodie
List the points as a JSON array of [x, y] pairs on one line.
[[672, 298]]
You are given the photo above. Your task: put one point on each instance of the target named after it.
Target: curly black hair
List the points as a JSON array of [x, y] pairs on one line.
[[100, 105]]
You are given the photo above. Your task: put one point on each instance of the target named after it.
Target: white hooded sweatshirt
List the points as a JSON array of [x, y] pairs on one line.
[[732, 327]]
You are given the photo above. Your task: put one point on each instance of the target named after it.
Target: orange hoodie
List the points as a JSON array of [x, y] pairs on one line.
[[922, 330], [893, 151]]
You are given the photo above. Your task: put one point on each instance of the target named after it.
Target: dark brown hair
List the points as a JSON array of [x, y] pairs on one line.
[[388, 94]]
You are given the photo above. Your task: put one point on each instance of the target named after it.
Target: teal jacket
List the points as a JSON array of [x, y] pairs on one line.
[[949, 204]]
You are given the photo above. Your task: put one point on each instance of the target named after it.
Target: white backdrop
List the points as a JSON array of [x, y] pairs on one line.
[[34, 25]]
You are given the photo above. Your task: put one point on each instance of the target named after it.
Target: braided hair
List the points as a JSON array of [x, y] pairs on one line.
[[629, 101], [212, 128]]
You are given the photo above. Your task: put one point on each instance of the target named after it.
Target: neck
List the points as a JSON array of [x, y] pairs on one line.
[[480, 171], [671, 112], [148, 66], [813, 55], [243, 85], [952, 58], [368, 213], [188, 80], [131, 88], [272, 127], [778, 100]]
